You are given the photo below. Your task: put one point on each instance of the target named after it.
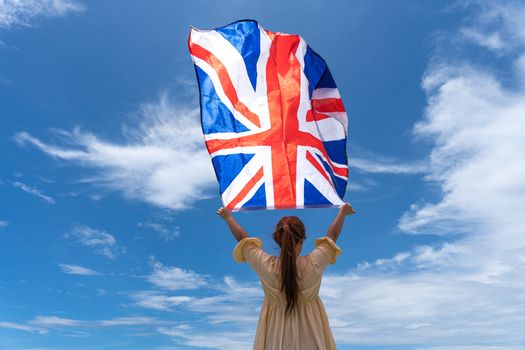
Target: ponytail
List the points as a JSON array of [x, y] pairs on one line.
[[288, 233]]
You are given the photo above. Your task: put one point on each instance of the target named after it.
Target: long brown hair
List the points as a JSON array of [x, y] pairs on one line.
[[289, 232]]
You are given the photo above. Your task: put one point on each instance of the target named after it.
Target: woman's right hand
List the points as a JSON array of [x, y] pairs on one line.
[[347, 209]]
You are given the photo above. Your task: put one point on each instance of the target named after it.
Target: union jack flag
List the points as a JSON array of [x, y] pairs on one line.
[[272, 117]]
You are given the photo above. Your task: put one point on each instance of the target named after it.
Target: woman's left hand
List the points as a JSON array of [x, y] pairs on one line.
[[224, 213]]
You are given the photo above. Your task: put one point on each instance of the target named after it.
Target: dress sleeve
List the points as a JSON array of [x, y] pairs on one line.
[[249, 249], [325, 252]]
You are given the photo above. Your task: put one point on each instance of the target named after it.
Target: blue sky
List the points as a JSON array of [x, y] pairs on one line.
[[108, 232]]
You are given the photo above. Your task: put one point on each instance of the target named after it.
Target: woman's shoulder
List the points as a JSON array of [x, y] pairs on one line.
[[325, 252]]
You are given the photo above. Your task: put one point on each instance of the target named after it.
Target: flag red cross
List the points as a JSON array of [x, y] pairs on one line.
[[283, 78]]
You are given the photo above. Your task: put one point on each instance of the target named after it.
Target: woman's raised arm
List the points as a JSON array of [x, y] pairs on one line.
[[337, 225], [234, 226]]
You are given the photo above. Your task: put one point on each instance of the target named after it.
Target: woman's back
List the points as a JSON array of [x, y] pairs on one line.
[[306, 326]]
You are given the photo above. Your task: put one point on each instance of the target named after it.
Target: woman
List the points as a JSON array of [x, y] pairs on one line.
[[292, 315]]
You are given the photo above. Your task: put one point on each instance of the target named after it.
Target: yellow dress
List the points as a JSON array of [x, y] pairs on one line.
[[307, 327]]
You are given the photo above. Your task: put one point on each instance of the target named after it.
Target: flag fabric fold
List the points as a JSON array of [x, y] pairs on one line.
[[272, 117]]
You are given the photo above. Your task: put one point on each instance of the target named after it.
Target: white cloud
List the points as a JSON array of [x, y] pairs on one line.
[[387, 166], [158, 300], [421, 257], [492, 40], [167, 234], [60, 322], [498, 28], [444, 256], [223, 304], [3, 224], [228, 302], [128, 321], [174, 278], [34, 191], [163, 160], [422, 308], [361, 186], [210, 340], [54, 321], [22, 327], [77, 270], [237, 302], [477, 129], [22, 13], [385, 263], [102, 242]]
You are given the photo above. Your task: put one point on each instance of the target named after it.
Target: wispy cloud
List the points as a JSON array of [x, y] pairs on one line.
[[100, 241], [158, 300], [497, 28], [235, 302], [206, 308], [210, 340], [54, 321], [492, 41], [4, 46], [228, 303], [167, 234], [77, 327], [22, 13], [163, 161], [174, 278], [34, 191], [361, 185], [128, 321], [60, 322], [3, 224], [77, 270], [22, 327], [185, 334], [388, 166]]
